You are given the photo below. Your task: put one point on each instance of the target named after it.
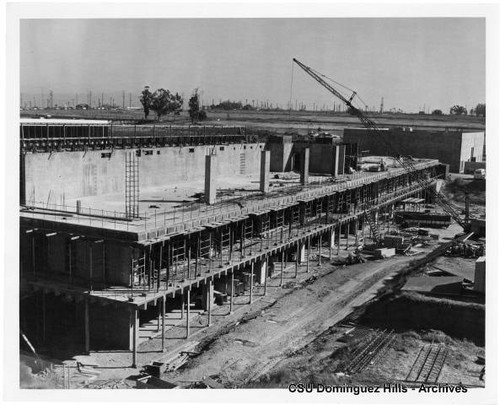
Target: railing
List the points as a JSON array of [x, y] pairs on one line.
[[182, 218]]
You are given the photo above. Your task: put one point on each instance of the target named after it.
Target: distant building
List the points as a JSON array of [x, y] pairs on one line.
[[450, 147]]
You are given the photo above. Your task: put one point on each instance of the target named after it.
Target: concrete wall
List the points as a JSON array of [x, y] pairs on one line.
[[281, 156], [110, 327], [63, 176], [453, 148], [322, 158]]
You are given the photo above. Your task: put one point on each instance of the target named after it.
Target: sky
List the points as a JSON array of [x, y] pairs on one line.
[[410, 62]]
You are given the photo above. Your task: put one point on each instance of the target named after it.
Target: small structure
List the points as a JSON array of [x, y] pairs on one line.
[[480, 275]]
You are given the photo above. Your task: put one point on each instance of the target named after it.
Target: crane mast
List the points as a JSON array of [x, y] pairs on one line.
[[370, 124]]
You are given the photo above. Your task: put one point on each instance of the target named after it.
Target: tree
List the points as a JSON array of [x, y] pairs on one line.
[[437, 112], [146, 100], [163, 102], [458, 110], [480, 110], [194, 108]]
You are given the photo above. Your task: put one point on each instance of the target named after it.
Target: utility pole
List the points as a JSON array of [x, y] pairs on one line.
[[51, 97], [130, 99], [123, 99], [382, 105]]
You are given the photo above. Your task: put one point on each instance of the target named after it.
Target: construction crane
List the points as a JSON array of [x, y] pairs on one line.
[[370, 124]]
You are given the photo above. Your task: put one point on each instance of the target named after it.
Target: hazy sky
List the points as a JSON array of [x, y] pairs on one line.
[[438, 62]]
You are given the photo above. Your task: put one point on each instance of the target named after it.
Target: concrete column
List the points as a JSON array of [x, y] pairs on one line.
[[262, 272], [335, 161], [356, 233], [188, 311], [210, 183], [134, 312], [304, 170], [163, 307], [251, 281], [265, 164], [302, 252], [87, 326]]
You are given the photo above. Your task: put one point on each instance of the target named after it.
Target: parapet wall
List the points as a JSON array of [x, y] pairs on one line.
[[61, 176]]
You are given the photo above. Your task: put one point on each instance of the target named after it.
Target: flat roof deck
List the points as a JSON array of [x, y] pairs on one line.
[[175, 208]]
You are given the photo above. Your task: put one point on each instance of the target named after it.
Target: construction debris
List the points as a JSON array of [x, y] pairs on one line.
[[465, 249]]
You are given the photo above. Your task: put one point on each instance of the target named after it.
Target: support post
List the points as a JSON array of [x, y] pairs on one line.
[[251, 281], [338, 239], [282, 266], [330, 243], [188, 311], [87, 326], [231, 298], [356, 234], [163, 310], [44, 319], [135, 335], [348, 225], [158, 319], [182, 304], [308, 253], [320, 241], [209, 303], [297, 255], [265, 279]]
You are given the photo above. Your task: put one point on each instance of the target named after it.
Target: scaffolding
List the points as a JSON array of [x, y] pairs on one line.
[[131, 185]]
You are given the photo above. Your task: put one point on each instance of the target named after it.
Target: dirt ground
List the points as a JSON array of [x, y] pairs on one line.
[[317, 363]]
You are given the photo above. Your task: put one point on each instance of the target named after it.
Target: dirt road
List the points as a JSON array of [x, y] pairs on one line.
[[254, 347]]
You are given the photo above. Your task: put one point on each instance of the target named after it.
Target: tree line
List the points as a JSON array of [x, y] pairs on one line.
[[163, 102], [479, 110]]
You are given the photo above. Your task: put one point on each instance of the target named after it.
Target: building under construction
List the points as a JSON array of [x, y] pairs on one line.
[[122, 224]]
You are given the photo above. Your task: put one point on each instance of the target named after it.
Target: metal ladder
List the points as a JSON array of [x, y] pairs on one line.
[[373, 226]]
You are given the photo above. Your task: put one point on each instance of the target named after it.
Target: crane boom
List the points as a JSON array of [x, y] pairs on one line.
[[325, 84], [370, 124]]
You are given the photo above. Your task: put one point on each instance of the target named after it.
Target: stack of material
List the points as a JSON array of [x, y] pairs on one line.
[[384, 253], [393, 241]]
